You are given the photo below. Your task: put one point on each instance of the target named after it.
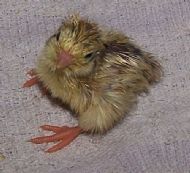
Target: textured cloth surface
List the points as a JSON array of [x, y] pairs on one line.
[[155, 138]]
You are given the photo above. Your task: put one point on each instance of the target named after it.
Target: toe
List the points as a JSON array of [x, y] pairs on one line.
[[46, 139], [55, 129], [66, 141], [30, 82]]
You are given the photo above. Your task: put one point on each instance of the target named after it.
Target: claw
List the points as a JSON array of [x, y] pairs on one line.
[[32, 72]]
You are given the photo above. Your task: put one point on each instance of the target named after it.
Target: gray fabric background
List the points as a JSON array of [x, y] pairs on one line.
[[154, 139]]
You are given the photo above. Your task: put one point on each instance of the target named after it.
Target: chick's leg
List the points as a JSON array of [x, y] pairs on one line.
[[63, 134]]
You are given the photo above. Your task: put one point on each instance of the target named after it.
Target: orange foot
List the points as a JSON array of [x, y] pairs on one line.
[[34, 80], [63, 134]]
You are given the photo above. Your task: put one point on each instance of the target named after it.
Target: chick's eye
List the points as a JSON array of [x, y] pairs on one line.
[[89, 55], [57, 36]]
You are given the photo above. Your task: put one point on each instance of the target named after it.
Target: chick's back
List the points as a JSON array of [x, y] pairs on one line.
[[123, 73]]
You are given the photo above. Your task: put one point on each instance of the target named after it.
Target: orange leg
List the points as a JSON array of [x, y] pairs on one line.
[[44, 90], [63, 134]]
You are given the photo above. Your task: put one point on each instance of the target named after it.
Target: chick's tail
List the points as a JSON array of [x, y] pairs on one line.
[[151, 68]]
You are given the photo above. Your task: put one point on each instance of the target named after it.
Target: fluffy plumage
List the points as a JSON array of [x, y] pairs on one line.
[[102, 76], [101, 88]]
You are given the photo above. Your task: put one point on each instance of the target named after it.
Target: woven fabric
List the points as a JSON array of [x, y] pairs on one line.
[[155, 138]]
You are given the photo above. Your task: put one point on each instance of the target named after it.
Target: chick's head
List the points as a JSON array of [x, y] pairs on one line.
[[73, 48]]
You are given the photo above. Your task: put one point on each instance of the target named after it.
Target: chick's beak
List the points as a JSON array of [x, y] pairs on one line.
[[64, 59]]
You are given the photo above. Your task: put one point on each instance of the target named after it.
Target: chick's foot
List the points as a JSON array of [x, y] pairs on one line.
[[34, 80], [65, 135]]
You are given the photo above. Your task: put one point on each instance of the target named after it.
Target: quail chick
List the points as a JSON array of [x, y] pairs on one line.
[[98, 73]]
